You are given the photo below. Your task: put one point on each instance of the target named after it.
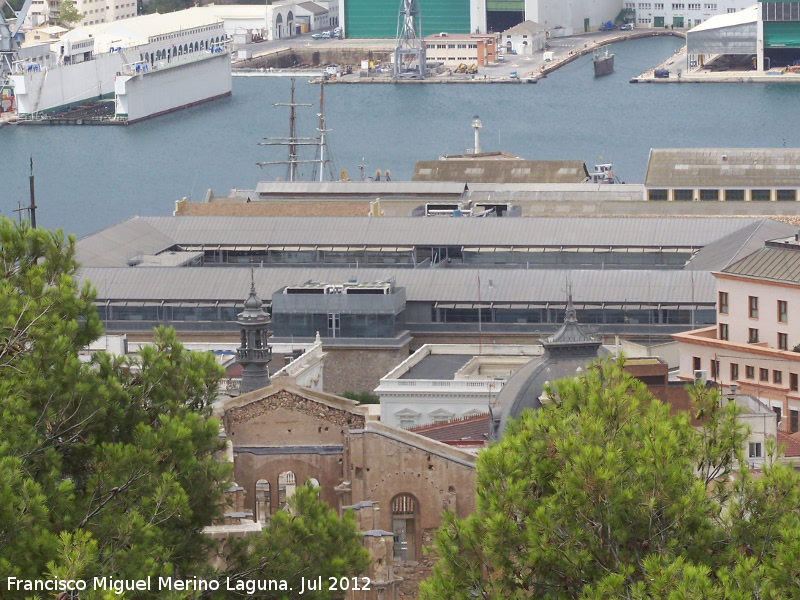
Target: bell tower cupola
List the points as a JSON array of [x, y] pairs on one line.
[[254, 352]]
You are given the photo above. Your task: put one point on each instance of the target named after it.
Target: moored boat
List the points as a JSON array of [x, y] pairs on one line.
[[603, 63]]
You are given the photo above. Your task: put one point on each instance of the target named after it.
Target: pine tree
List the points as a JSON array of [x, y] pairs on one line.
[[604, 494]]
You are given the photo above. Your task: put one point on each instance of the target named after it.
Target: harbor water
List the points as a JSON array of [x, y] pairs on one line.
[[88, 178]]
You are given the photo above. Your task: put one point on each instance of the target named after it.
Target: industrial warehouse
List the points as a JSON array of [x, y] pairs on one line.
[[384, 279]]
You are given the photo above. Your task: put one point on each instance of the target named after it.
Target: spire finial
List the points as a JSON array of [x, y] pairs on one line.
[[570, 316], [252, 282]]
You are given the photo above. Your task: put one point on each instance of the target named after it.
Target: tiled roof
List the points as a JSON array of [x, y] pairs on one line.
[[791, 444], [472, 428], [525, 28]]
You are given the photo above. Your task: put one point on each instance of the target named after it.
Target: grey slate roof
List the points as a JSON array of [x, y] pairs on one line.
[[500, 171], [732, 168], [734, 246], [115, 245], [210, 284], [776, 264]]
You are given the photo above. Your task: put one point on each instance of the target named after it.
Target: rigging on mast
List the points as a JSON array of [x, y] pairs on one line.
[[294, 142]]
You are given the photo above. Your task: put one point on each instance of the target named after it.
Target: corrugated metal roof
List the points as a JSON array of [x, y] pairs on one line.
[[152, 234], [777, 264], [734, 246], [501, 171], [205, 284], [115, 245], [359, 188], [740, 17], [732, 168]]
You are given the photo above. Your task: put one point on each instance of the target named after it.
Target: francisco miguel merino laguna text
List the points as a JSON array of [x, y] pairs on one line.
[[120, 586]]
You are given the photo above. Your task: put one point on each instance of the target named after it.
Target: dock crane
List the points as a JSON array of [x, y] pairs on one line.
[[8, 42]]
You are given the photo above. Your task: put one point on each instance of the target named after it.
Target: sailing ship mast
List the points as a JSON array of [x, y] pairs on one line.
[[293, 142]]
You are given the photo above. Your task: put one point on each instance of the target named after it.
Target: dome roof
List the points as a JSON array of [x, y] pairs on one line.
[[253, 313], [566, 353], [253, 302]]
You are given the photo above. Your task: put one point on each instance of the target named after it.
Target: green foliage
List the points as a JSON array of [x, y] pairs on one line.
[[67, 13], [108, 468], [362, 397], [308, 540], [604, 494]]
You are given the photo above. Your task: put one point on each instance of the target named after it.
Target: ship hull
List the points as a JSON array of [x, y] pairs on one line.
[[603, 65], [161, 91], [138, 95]]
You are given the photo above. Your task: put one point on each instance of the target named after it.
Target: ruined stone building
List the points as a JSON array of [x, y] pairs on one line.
[[397, 482]]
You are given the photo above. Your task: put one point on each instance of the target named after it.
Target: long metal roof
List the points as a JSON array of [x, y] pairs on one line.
[[209, 284], [731, 168], [500, 171], [150, 235], [359, 188], [734, 246], [776, 264]]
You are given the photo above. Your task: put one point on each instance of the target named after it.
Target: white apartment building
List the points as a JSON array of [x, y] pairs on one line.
[[681, 14], [440, 382], [105, 11], [758, 328]]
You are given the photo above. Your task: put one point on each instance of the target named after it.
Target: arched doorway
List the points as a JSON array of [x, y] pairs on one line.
[[262, 501], [290, 23], [287, 484], [404, 526], [279, 24]]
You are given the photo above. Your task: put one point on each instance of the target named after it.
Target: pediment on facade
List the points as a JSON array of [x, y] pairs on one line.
[[441, 414], [278, 416], [407, 413]]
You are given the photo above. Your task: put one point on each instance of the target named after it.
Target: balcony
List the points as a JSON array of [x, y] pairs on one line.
[[254, 354]]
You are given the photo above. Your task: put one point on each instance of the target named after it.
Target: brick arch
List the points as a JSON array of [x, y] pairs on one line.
[[427, 491], [303, 470]]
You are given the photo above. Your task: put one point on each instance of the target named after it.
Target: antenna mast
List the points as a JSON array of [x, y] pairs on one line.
[[31, 208], [323, 144], [409, 45]]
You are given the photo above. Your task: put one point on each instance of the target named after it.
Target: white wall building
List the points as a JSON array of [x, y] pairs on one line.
[[681, 14], [105, 11], [526, 38], [240, 19], [156, 37], [578, 15], [440, 382], [758, 325]]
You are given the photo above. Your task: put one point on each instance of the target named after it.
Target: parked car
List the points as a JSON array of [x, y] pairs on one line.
[[319, 36], [513, 75], [626, 26], [501, 57]]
